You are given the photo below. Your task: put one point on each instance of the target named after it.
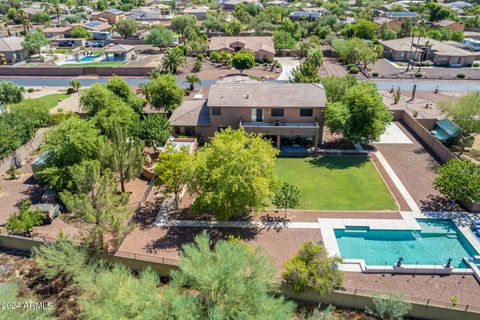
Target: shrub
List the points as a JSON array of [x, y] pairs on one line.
[[70, 90], [197, 66], [25, 220], [350, 65], [374, 74], [312, 268], [392, 307], [30, 90], [460, 75], [476, 64], [215, 56], [353, 70], [13, 172], [418, 75]]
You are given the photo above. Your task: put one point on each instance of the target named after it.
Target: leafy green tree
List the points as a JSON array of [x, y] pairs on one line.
[[34, 41], [233, 28], [40, 17], [165, 93], [97, 202], [122, 89], [465, 112], [307, 72], [192, 80], [172, 60], [315, 56], [246, 294], [459, 180], [10, 93], [160, 36], [286, 197], [365, 29], [24, 220], [181, 23], [437, 12], [215, 22], [80, 32], [71, 142], [361, 116], [243, 61], [391, 307], [172, 171], [123, 155], [233, 174], [336, 87], [312, 268], [153, 128], [284, 40], [126, 27]]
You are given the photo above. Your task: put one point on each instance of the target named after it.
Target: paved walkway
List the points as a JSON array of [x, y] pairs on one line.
[[288, 64]]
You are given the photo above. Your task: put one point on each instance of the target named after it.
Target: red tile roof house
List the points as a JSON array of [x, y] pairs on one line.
[[262, 47], [282, 112]]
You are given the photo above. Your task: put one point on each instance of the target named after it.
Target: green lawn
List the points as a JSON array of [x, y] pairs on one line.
[[52, 100], [96, 64], [336, 183]]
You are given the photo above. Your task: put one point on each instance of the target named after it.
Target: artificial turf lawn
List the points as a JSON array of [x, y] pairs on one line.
[[336, 183], [95, 64]]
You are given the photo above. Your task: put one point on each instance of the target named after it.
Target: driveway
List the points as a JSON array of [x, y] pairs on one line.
[[288, 64]]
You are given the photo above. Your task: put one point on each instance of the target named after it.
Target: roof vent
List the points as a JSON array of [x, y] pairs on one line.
[[247, 96], [198, 97]]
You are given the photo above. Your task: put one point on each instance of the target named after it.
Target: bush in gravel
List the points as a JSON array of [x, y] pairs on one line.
[[460, 76], [374, 74], [353, 70], [392, 307], [418, 75]]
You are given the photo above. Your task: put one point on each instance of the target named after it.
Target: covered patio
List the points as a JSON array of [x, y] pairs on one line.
[[120, 52]]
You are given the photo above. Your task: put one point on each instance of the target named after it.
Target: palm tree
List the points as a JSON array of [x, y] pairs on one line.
[[192, 80], [172, 60], [143, 90], [154, 74]]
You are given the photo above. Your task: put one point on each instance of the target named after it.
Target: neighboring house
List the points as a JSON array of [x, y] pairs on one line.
[[96, 25], [437, 52], [56, 32], [111, 15], [160, 12], [402, 16], [31, 11], [457, 6], [231, 4], [450, 24], [304, 15], [120, 52], [277, 3], [198, 11], [262, 47], [286, 113], [11, 50], [389, 23]]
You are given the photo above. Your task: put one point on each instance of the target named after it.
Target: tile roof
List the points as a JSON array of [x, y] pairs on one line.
[[191, 113], [437, 47], [10, 44], [266, 94], [119, 48], [251, 43], [114, 11]]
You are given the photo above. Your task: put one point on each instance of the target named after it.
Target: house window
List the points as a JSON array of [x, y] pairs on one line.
[[177, 130], [189, 131], [306, 112], [277, 112], [216, 111]]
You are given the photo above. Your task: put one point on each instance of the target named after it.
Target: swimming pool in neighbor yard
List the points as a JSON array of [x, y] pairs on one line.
[[438, 241]]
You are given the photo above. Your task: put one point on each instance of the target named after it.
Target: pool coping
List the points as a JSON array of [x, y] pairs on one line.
[[409, 222]]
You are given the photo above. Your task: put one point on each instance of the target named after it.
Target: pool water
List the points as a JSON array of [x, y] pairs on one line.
[[89, 58], [434, 244]]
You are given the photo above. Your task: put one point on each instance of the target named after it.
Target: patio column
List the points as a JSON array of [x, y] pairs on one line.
[[278, 142], [316, 139]]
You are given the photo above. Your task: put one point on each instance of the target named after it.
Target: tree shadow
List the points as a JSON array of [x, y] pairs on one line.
[[146, 215], [176, 237], [338, 162], [439, 203]]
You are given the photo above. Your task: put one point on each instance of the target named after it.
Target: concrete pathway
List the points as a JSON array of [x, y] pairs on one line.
[[288, 64], [394, 135]]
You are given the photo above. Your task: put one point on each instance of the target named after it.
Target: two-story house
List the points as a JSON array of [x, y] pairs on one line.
[[286, 113]]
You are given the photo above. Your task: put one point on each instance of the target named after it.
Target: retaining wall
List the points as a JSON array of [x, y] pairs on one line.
[[74, 72], [19, 156]]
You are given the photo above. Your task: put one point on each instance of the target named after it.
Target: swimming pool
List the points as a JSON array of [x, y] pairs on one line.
[[89, 58], [438, 241]]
